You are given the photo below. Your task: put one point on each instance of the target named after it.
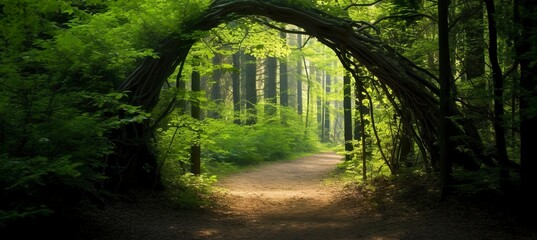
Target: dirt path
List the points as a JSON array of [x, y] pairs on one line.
[[287, 200], [290, 200]]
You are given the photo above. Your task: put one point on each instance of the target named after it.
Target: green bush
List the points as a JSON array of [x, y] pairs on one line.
[[54, 164], [269, 139], [186, 190]]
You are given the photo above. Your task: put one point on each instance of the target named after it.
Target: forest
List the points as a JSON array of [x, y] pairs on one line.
[[106, 102]]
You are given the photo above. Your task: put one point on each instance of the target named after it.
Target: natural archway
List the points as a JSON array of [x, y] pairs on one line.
[[353, 43]]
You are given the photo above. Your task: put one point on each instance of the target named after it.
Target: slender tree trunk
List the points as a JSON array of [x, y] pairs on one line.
[[299, 78], [236, 82], [318, 76], [347, 118], [284, 88], [445, 98], [195, 149], [359, 126], [326, 134], [216, 88], [499, 129], [308, 95], [270, 86], [251, 89]]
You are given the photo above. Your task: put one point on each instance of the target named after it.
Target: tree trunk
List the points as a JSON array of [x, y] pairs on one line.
[[308, 94], [319, 79], [359, 126], [474, 60], [284, 88], [528, 95], [251, 89], [445, 98], [216, 88], [236, 82], [326, 129], [195, 149], [299, 105], [474, 54], [270, 86], [497, 78], [347, 118]]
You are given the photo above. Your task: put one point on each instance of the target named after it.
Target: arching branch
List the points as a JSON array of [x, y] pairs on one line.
[[268, 24], [413, 86]]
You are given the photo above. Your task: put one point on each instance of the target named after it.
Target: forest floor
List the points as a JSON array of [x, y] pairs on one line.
[[301, 199]]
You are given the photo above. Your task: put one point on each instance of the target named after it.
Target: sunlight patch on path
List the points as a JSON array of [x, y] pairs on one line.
[[275, 192]]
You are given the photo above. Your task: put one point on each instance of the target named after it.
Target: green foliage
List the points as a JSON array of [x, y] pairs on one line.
[[148, 23], [485, 183], [256, 39], [32, 187], [225, 148], [228, 143], [174, 141], [187, 190], [268, 140], [57, 68], [60, 61]]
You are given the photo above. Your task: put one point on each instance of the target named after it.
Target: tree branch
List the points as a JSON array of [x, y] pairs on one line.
[[266, 23]]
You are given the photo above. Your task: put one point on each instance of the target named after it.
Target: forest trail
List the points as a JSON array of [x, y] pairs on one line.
[[291, 200], [287, 200]]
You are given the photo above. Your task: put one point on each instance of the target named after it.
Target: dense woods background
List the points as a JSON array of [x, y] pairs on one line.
[[100, 98]]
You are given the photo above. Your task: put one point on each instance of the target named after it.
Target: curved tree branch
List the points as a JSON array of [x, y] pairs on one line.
[[413, 86]]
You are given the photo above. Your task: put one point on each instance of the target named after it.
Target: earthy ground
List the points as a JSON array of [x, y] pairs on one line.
[[292, 200]]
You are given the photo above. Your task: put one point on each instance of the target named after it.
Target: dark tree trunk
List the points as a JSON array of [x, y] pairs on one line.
[[474, 60], [359, 126], [497, 78], [124, 168], [195, 149], [405, 150], [445, 98], [474, 54], [251, 88], [270, 86], [347, 118], [528, 118], [236, 82]]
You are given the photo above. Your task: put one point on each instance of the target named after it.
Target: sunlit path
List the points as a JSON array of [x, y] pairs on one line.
[[291, 200]]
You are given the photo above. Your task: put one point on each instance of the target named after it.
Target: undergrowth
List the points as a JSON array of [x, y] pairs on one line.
[[227, 148]]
